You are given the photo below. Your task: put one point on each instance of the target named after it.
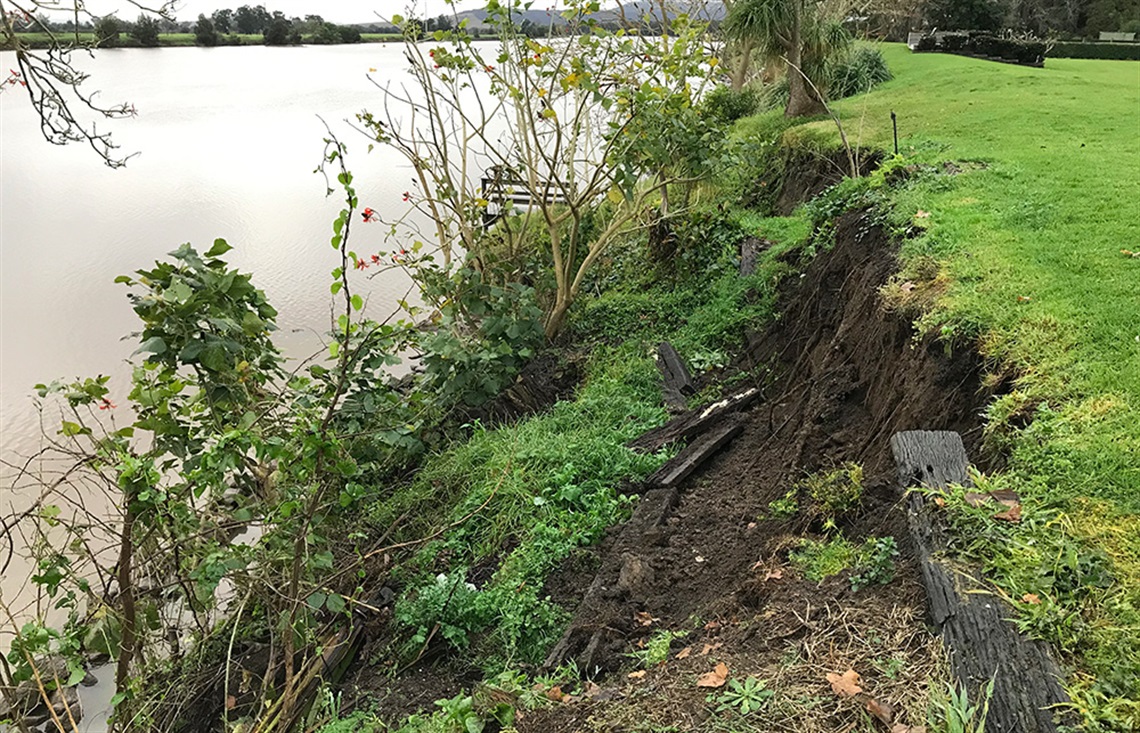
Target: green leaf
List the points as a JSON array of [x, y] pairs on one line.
[[214, 358], [220, 248], [124, 279], [357, 302], [153, 345], [335, 287], [316, 600], [335, 603], [71, 428]]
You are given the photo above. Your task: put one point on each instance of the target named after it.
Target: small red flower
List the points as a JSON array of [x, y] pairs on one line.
[[375, 259], [369, 215], [361, 264], [437, 66], [407, 196], [107, 404], [489, 68], [431, 53]]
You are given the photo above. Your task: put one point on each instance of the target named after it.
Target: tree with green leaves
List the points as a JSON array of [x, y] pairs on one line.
[[801, 34], [145, 31], [280, 32], [590, 121], [205, 34], [223, 20], [107, 31]]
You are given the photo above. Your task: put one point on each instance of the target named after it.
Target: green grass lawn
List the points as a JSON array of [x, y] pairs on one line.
[[1031, 242]]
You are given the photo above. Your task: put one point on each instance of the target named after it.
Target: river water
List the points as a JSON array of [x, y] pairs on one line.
[[228, 141]]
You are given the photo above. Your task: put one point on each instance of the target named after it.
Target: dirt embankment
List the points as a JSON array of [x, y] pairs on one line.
[[843, 377]]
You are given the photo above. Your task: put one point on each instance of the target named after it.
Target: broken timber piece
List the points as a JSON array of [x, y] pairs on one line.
[[750, 250], [678, 468], [651, 512], [677, 382], [695, 421], [973, 621]]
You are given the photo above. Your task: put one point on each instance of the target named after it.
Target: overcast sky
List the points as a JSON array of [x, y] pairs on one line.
[[337, 11]]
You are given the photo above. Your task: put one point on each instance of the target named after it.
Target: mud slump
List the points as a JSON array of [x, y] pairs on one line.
[[707, 568], [713, 563]]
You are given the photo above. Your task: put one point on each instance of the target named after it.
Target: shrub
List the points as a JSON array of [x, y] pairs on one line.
[[1089, 50], [145, 31], [726, 104], [205, 34], [107, 31], [862, 68], [955, 43]]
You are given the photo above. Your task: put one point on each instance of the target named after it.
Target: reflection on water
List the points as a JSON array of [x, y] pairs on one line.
[[229, 138]]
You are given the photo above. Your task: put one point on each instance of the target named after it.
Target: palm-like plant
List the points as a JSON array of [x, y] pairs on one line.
[[802, 33]]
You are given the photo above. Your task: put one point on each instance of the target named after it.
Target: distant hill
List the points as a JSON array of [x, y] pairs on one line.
[[631, 13]]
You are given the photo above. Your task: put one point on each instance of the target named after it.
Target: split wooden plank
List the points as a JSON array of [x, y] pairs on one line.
[[750, 250], [972, 619], [693, 455], [693, 422], [677, 382]]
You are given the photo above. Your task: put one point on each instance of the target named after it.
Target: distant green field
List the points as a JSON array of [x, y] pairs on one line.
[[1035, 241], [380, 37]]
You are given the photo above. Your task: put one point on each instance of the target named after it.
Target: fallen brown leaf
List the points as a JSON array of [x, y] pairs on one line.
[[708, 648], [684, 653], [920, 214], [846, 684], [644, 618], [1031, 598], [940, 502], [1013, 514], [554, 693], [231, 702], [880, 710], [907, 287], [1007, 497], [715, 678], [904, 728], [975, 499], [775, 574], [636, 675], [712, 625]]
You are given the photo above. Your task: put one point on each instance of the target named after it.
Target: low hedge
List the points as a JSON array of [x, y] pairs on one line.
[[1090, 50], [984, 44]]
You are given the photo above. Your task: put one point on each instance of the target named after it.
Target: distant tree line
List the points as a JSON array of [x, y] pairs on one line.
[[892, 19]]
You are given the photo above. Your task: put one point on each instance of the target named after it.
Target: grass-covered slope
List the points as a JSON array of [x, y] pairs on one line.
[[1031, 268]]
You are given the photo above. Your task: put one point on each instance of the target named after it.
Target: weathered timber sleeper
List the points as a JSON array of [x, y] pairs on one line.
[[973, 620]]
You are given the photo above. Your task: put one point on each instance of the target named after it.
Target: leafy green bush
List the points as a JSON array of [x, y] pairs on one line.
[[484, 335], [861, 69], [726, 104], [1091, 50]]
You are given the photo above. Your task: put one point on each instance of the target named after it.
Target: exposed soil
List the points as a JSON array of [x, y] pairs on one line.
[[710, 562]]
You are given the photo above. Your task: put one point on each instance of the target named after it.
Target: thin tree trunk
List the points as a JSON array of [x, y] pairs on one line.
[[743, 64], [801, 99], [127, 594]]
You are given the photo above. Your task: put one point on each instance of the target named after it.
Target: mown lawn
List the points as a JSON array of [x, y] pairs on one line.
[[1031, 244]]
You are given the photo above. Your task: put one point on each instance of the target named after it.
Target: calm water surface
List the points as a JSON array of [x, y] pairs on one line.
[[228, 141]]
